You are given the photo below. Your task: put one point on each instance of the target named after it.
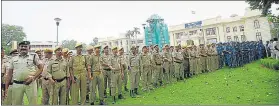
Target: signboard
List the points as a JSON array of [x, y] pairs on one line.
[[193, 24]]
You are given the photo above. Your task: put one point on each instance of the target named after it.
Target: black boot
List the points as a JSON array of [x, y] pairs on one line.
[[102, 102], [92, 103], [136, 91], [113, 100], [126, 89], [120, 96], [87, 98], [161, 83], [110, 92], [105, 94]]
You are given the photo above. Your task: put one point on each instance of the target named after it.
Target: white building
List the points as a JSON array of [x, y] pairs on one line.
[[250, 27], [121, 41], [42, 45]]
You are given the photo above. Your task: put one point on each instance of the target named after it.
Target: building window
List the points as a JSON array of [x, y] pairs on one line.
[[256, 24], [241, 28], [211, 31], [243, 38], [229, 38], [213, 40], [228, 29], [258, 36], [236, 38], [178, 35], [193, 32], [234, 29]]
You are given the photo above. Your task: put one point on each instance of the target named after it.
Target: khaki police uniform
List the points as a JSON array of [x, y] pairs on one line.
[[192, 61], [179, 70], [107, 72], [166, 65], [4, 70], [209, 58], [124, 69], [158, 70], [78, 89], [134, 63], [203, 57], [145, 68]]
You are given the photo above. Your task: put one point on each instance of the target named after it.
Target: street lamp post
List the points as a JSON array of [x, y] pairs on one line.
[[57, 20]]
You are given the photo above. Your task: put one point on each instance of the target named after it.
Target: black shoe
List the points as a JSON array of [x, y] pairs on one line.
[[120, 96], [136, 91], [92, 103], [102, 102], [113, 100], [126, 89], [110, 92], [161, 83]]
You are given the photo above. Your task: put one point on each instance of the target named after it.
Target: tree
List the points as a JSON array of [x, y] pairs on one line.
[[129, 35], [70, 44], [95, 41], [135, 32], [263, 5], [11, 33]]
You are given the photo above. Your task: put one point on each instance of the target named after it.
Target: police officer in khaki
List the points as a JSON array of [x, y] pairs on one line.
[[192, 60], [158, 70], [172, 69], [96, 76], [107, 71], [46, 85], [209, 58], [13, 53], [40, 54], [57, 74], [145, 68], [4, 69], [66, 57], [215, 57], [22, 71], [203, 58], [116, 65], [178, 59], [78, 73], [124, 67], [166, 65], [134, 64], [186, 56], [88, 56]]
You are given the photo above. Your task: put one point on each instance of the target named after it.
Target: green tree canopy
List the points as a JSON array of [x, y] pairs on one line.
[[11, 33], [70, 44], [263, 5]]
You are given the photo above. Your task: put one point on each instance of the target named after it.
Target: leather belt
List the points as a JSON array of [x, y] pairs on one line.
[[19, 82], [158, 64], [107, 69], [60, 80], [46, 78], [178, 62]]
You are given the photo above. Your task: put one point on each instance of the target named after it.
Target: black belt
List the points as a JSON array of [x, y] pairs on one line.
[[60, 80], [107, 69], [19, 82], [158, 64], [46, 78], [178, 62]]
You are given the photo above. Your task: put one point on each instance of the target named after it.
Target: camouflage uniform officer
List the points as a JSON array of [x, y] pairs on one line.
[[134, 64], [96, 76], [9, 99], [203, 58], [145, 68], [78, 73], [116, 65], [107, 71], [46, 86], [167, 60], [89, 54], [158, 70], [192, 60], [124, 67], [178, 58], [57, 70], [24, 74]]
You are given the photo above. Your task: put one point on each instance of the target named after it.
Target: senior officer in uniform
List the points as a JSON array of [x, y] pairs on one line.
[[116, 75], [40, 54], [145, 68], [107, 71], [134, 63], [96, 76], [124, 67], [78, 73], [46, 86], [22, 71], [57, 70], [88, 56]]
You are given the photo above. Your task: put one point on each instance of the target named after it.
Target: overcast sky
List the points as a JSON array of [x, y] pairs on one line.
[[84, 20]]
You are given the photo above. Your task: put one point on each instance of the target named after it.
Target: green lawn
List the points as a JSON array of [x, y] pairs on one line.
[[251, 84]]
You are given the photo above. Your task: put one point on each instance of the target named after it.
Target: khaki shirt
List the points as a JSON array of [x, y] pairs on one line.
[[134, 60], [57, 68], [78, 64], [146, 61], [45, 64], [24, 66], [178, 55], [105, 59], [115, 63], [96, 63], [4, 69], [158, 59], [123, 61], [192, 54], [203, 52]]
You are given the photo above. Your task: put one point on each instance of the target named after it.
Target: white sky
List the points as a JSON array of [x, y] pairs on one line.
[[84, 20]]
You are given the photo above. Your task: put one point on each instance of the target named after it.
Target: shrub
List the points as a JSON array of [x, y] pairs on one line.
[[270, 63]]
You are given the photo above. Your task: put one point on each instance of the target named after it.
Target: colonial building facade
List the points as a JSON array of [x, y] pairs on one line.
[[250, 27]]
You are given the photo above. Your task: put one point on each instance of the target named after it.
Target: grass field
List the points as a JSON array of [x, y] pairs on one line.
[[251, 84]]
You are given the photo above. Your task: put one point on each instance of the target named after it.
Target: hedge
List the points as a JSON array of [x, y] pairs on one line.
[[270, 63]]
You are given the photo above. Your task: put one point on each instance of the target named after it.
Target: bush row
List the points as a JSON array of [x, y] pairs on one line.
[[270, 63]]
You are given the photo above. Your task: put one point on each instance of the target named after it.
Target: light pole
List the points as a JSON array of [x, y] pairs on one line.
[[57, 20]]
